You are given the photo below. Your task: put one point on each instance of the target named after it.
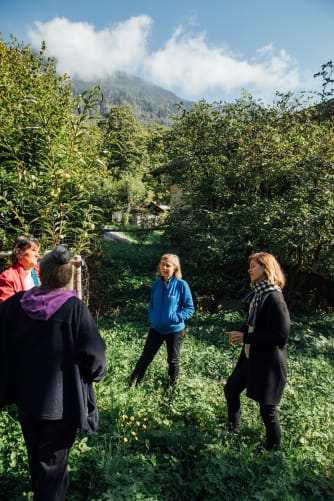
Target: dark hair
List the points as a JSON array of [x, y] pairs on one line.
[[21, 244], [56, 268]]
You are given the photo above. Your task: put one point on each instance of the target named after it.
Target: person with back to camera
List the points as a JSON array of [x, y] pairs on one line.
[[50, 354], [261, 367], [170, 305], [24, 272]]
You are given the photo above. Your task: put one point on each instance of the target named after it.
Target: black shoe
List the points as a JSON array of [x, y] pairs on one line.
[[272, 447], [234, 428], [169, 390]]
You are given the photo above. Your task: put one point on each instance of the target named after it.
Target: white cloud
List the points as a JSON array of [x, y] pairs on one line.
[[186, 64], [83, 52]]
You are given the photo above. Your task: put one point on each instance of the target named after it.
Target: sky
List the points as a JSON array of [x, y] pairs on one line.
[[198, 49]]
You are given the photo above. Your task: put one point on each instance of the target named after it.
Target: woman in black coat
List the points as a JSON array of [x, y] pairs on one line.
[[50, 354], [261, 367]]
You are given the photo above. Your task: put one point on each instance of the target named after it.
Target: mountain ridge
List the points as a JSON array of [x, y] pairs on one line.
[[150, 103]]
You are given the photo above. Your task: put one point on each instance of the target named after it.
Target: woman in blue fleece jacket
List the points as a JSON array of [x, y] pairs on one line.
[[170, 305]]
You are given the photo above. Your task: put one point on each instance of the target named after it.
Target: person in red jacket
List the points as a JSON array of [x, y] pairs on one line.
[[51, 353], [24, 272]]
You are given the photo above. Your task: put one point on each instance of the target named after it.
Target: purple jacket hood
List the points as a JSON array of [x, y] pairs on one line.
[[41, 304]]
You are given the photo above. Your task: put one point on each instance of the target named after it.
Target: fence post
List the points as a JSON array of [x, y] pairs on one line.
[[77, 285]]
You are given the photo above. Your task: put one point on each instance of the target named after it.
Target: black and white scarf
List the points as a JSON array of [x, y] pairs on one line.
[[255, 299]]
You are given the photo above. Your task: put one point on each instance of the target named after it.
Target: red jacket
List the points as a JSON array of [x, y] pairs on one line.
[[12, 280]]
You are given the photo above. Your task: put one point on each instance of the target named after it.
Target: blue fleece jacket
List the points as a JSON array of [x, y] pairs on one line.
[[168, 311]]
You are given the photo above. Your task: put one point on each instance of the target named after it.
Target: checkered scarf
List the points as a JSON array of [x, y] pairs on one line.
[[255, 298]]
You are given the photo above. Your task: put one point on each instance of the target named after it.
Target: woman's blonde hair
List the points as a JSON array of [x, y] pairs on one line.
[[272, 269], [176, 262]]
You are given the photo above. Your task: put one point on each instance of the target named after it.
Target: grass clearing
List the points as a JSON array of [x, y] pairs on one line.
[[158, 446]]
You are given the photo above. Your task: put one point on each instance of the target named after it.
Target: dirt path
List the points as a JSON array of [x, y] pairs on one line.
[[113, 236]]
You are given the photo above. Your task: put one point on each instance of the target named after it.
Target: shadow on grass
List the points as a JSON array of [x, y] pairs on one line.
[[184, 462], [180, 457]]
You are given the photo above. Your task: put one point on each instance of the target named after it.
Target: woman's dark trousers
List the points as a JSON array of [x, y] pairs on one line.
[[153, 342], [48, 446], [236, 384]]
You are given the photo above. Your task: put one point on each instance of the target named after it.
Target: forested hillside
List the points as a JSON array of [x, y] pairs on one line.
[[150, 103]]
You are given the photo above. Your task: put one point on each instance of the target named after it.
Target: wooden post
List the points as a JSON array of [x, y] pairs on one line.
[[77, 266]]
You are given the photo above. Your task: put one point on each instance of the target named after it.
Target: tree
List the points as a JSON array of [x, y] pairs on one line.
[[253, 177], [50, 160], [125, 144], [326, 73]]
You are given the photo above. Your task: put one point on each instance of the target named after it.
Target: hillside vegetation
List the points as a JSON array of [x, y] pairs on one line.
[[150, 103]]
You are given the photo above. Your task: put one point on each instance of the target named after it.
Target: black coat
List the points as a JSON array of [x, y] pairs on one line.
[[47, 366], [267, 365]]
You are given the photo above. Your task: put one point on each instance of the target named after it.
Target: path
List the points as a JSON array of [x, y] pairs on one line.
[[116, 236]]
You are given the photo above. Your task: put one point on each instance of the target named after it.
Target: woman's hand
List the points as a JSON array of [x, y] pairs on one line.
[[236, 337]]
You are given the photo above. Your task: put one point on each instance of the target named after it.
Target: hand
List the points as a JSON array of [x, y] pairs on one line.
[[175, 318], [236, 337]]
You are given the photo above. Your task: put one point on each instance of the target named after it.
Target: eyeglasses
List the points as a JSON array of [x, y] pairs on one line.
[[26, 241]]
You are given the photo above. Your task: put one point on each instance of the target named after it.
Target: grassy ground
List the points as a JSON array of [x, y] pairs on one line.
[[158, 446]]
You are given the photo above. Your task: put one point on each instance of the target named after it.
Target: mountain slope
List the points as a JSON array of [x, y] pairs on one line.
[[150, 103]]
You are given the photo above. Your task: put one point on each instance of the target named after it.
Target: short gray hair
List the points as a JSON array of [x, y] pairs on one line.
[[56, 268]]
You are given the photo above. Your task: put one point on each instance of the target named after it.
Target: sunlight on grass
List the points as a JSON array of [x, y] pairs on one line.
[[162, 445]]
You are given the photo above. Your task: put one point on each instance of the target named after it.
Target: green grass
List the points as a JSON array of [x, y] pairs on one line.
[[158, 446]]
